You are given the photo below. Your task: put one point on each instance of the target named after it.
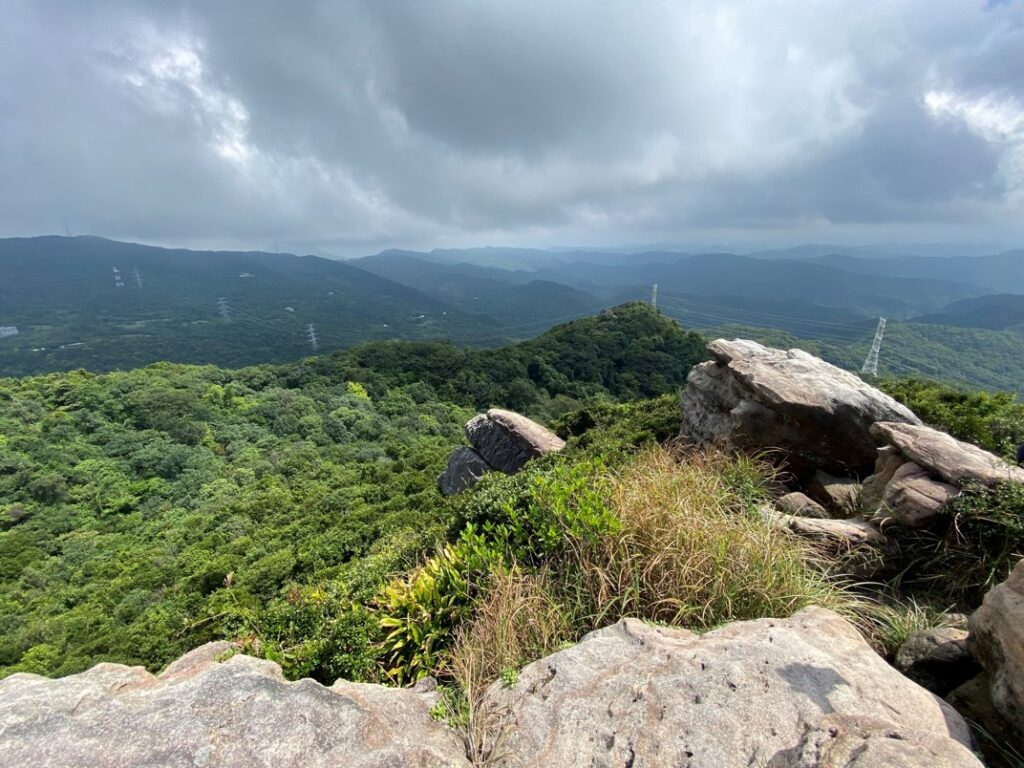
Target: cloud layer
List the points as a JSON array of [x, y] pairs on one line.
[[347, 126]]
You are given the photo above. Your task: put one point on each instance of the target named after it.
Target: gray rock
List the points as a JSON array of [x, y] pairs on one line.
[[200, 712], [997, 642], [840, 495], [945, 457], [465, 469], [937, 659], [747, 694], [815, 414], [913, 498], [800, 505], [973, 701], [887, 462], [854, 545], [507, 440], [851, 741]]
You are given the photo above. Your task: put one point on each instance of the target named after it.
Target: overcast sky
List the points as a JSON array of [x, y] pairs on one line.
[[352, 126]]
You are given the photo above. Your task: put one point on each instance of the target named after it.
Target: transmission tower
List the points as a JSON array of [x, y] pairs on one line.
[[871, 363], [654, 296], [138, 277], [311, 335], [117, 278], [223, 310]]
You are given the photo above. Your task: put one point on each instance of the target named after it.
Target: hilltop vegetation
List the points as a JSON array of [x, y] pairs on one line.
[[148, 511]]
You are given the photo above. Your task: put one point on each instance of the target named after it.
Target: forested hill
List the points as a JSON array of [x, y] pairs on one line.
[[145, 512], [88, 302]]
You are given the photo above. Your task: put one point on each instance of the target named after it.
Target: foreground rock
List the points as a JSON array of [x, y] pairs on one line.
[[805, 691], [919, 470], [503, 441], [997, 642], [758, 398], [203, 713]]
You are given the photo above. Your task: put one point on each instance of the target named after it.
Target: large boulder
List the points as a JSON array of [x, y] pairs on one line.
[[997, 641], [465, 469], [202, 712], [507, 440], [804, 691], [758, 398], [914, 498]]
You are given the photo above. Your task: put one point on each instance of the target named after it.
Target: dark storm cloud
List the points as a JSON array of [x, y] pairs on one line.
[[349, 125]]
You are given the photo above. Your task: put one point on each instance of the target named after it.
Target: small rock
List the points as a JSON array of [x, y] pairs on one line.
[[507, 440], [997, 642], [914, 498], [465, 469], [840, 495], [800, 505], [973, 701], [887, 462], [937, 659], [855, 545]]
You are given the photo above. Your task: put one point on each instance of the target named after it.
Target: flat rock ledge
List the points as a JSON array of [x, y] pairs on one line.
[[815, 415], [803, 692], [800, 692]]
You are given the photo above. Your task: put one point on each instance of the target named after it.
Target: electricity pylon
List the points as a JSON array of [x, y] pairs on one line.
[[871, 363]]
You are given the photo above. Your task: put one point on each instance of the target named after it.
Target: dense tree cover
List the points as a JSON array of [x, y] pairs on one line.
[[144, 512]]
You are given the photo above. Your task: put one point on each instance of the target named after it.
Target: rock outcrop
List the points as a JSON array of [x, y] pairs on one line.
[[502, 441], [800, 505], [948, 459], [919, 470], [465, 469], [201, 712], [805, 691], [997, 641], [507, 440], [758, 398]]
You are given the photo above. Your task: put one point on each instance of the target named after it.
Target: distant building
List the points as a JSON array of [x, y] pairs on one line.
[[246, 274], [8, 330]]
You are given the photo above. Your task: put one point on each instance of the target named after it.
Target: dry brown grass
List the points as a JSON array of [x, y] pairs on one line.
[[691, 550]]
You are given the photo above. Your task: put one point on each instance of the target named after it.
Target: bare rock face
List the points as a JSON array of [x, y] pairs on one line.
[[758, 398], [937, 659], [507, 440], [945, 457], [997, 642], [465, 469], [201, 712], [805, 691], [800, 505]]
